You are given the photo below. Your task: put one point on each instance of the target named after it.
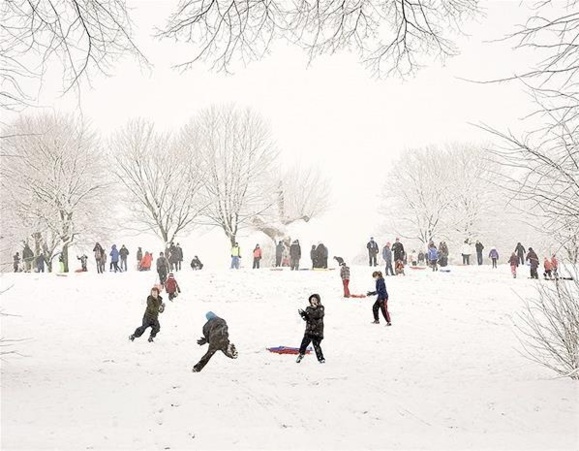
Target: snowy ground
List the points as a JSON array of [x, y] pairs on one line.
[[445, 376]]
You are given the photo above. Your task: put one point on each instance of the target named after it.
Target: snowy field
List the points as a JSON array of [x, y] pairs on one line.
[[446, 376]]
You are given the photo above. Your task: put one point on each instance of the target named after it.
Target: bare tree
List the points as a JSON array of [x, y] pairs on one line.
[[162, 177], [549, 327], [390, 36], [302, 194], [54, 176], [237, 156], [80, 37]]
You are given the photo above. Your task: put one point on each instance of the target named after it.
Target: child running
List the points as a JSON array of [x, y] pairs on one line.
[[172, 287], [151, 317]]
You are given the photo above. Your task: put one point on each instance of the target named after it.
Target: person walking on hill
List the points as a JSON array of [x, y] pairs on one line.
[[514, 263], [163, 268], [479, 252], [533, 260], [520, 251], [381, 303], [494, 256]]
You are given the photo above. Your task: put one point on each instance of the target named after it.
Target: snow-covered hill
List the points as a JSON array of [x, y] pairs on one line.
[[446, 376]]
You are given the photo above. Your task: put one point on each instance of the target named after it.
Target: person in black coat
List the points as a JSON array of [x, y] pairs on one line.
[[520, 251], [533, 262], [398, 250], [322, 254], [479, 252], [196, 263], [295, 255], [216, 333], [314, 256], [314, 318], [155, 306]]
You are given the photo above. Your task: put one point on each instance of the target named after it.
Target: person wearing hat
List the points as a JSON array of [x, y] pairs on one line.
[[314, 318], [373, 250], [345, 275], [216, 334], [155, 306]]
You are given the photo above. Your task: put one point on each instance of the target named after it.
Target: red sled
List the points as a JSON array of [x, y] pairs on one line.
[[287, 350], [357, 295]]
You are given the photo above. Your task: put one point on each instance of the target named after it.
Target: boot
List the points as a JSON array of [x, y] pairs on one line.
[[150, 339], [132, 337], [299, 359]]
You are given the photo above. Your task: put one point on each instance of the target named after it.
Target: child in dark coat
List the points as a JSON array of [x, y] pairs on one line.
[[216, 333], [382, 299], [151, 317], [172, 287], [314, 318]]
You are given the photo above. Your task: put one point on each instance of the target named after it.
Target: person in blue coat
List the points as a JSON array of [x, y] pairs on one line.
[[382, 299], [114, 258], [433, 256]]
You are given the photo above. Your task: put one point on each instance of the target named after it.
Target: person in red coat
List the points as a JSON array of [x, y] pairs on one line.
[[514, 262], [172, 287], [256, 256]]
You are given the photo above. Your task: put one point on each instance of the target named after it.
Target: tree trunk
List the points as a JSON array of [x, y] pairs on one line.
[[65, 256]]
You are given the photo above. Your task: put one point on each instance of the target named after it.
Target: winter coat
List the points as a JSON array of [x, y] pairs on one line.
[[372, 247], [216, 333], [494, 254], [398, 250], [98, 252], [257, 253], [235, 251], [146, 261], [547, 265], [171, 286], [279, 249], [295, 250], [466, 249], [432, 254], [139, 254], [345, 273], [27, 254], [153, 306], [322, 251], [380, 290], [173, 256], [124, 252], [387, 254], [533, 259], [514, 260], [163, 264], [479, 247], [555, 263], [114, 254], [520, 250], [443, 248], [314, 317], [179, 253]]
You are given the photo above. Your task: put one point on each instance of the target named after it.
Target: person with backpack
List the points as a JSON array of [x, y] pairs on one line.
[[216, 334], [172, 287], [155, 306], [381, 303], [313, 315]]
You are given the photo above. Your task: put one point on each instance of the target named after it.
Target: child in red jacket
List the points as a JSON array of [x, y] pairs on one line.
[[172, 287]]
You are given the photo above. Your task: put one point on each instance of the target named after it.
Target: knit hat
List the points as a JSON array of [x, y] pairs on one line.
[[210, 315]]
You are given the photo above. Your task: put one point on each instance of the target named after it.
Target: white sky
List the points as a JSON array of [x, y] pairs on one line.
[[332, 113]]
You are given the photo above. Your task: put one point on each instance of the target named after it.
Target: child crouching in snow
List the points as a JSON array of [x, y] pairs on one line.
[[314, 318], [172, 287], [151, 317], [382, 299]]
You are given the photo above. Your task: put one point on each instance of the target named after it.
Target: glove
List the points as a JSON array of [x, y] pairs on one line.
[[370, 293], [161, 308], [201, 341], [303, 314]]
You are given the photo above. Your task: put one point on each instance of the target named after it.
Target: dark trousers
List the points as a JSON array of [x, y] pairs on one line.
[[295, 263], [124, 263], [115, 266], [277, 261], [153, 323], [479, 258], [256, 263], [521, 259], [434, 265], [389, 269], [207, 356], [316, 341], [534, 273], [494, 262], [162, 277], [372, 259], [466, 259], [381, 305]]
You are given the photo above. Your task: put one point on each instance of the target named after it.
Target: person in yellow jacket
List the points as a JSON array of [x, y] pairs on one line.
[[235, 256]]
